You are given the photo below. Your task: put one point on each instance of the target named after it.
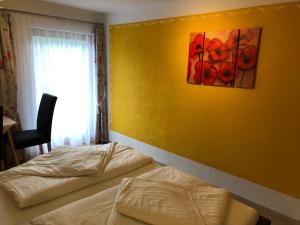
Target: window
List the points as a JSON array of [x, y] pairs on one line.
[[64, 66]]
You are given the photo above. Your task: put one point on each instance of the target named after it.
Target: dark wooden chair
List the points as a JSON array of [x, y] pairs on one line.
[[42, 134], [263, 221]]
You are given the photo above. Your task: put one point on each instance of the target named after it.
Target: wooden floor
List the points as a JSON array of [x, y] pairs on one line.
[[276, 218]]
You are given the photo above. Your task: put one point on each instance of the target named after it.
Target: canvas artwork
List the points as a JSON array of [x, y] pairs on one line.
[[196, 47], [247, 57], [219, 60], [224, 58]]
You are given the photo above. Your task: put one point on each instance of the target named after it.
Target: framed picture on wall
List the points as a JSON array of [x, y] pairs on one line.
[[195, 58], [247, 57], [225, 58], [219, 60]]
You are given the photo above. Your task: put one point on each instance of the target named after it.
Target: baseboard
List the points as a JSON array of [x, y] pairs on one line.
[[258, 194]]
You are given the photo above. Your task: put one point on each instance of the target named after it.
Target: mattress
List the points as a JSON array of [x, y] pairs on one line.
[[96, 209], [10, 214]]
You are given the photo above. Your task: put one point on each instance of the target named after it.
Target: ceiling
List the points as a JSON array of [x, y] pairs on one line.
[[112, 5], [119, 6]]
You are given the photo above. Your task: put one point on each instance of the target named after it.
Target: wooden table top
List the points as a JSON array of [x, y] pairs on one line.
[[7, 124]]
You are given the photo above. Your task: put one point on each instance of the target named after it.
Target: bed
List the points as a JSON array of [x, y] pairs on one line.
[[102, 203], [126, 162], [101, 193]]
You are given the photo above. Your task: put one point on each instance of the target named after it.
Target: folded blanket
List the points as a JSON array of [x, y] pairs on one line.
[[116, 218], [160, 203], [31, 190], [68, 162]]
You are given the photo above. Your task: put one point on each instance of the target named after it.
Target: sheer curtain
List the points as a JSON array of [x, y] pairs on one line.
[[64, 66], [57, 57]]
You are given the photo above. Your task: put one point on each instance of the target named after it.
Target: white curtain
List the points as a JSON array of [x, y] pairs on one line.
[[57, 57]]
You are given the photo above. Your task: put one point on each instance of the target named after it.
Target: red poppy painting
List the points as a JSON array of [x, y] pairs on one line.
[[224, 58], [219, 58], [247, 57], [196, 47]]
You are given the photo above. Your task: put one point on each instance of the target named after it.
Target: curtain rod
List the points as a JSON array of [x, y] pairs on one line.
[[39, 14]]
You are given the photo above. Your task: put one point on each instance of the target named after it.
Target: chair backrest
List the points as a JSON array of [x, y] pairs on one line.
[[45, 114]]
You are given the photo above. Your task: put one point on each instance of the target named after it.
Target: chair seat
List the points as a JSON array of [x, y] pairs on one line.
[[27, 138]]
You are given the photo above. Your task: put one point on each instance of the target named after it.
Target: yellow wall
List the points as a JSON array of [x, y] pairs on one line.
[[254, 134]]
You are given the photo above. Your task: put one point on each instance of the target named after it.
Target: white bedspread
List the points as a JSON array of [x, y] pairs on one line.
[[98, 209], [161, 202], [66, 162], [29, 190]]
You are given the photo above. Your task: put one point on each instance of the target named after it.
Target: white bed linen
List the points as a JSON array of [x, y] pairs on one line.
[[161, 202], [10, 214], [31, 190], [97, 209], [79, 161]]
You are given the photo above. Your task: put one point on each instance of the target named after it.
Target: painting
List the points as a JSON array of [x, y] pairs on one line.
[[219, 58], [195, 59], [247, 57], [225, 58]]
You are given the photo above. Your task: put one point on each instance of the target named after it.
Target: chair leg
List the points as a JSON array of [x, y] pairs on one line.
[[41, 150], [49, 146], [2, 165], [12, 147]]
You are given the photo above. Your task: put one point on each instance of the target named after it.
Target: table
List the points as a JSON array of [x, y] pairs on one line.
[[7, 125]]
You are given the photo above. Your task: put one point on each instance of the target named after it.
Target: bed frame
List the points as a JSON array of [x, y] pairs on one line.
[[263, 221]]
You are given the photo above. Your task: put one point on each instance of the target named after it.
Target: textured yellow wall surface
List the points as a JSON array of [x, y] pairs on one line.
[[254, 134]]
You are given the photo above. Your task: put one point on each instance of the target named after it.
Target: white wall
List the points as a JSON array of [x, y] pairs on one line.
[[52, 9]]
